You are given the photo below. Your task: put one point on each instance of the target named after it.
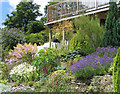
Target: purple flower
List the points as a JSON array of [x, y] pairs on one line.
[[102, 56]]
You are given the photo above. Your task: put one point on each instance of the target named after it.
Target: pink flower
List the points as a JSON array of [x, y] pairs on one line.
[[6, 60], [35, 55]]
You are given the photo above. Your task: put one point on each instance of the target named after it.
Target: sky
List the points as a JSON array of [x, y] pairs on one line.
[[7, 6]]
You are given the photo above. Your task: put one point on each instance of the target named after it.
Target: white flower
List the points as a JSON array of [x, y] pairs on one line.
[[22, 70]]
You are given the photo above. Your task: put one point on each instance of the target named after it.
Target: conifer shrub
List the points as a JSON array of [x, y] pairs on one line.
[[112, 27], [116, 72]]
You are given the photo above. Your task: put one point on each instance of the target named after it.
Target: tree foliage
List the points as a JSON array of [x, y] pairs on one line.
[[112, 27], [11, 37], [35, 26], [37, 38], [43, 19], [25, 11]]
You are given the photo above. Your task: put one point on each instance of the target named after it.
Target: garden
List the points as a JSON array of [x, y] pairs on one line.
[[90, 63]]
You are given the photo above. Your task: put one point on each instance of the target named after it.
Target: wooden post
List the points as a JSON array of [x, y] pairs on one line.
[[63, 37], [50, 36], [48, 14]]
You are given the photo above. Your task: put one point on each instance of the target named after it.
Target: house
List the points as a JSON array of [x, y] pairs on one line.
[[69, 9]]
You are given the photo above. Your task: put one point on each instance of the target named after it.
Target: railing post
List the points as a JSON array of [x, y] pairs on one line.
[[77, 6], [61, 11], [95, 3]]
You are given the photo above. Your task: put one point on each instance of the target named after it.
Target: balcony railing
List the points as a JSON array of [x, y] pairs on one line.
[[68, 8]]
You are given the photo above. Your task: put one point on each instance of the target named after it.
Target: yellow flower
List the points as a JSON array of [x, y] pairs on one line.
[[10, 53], [59, 71], [46, 52]]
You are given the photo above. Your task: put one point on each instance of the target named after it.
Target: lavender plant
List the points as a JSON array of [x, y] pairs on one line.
[[96, 63]]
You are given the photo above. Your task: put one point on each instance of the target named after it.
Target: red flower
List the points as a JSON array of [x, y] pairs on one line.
[[55, 79], [56, 83], [69, 89], [45, 70]]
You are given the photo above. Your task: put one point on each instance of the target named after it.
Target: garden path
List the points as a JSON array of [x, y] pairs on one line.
[[46, 45]]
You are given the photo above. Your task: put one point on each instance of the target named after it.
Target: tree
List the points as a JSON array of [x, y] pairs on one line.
[[43, 19], [35, 26], [25, 11], [112, 27]]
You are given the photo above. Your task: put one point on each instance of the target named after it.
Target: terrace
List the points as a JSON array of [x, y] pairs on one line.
[[68, 9]]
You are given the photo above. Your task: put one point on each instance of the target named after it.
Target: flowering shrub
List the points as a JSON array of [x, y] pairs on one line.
[[45, 62], [59, 81], [23, 53], [94, 64], [21, 71]]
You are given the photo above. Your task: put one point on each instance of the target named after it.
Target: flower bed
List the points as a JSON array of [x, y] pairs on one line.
[[96, 63]]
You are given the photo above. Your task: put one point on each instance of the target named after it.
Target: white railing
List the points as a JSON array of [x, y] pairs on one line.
[[73, 7]]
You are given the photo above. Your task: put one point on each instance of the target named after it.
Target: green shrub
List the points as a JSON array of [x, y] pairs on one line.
[[37, 38], [89, 34], [57, 52], [3, 81], [116, 72], [110, 71], [35, 26], [11, 37], [5, 52], [71, 55], [45, 62], [5, 69]]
